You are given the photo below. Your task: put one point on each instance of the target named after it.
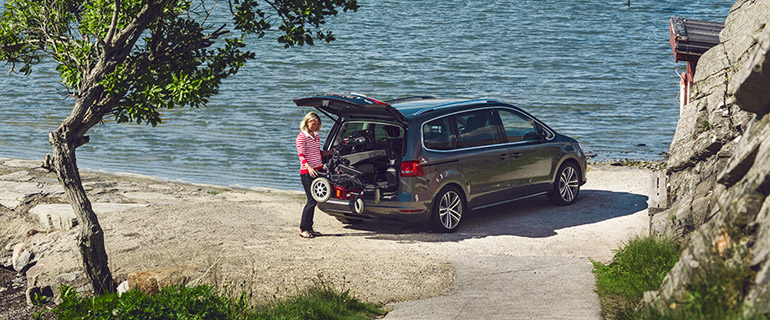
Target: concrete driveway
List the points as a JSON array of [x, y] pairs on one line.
[[530, 260]]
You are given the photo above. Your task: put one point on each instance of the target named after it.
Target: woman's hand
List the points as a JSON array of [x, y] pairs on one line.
[[311, 171]]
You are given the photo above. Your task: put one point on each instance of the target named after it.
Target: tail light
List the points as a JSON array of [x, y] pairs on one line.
[[411, 169]]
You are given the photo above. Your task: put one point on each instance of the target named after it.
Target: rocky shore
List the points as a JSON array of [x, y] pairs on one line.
[[719, 170]]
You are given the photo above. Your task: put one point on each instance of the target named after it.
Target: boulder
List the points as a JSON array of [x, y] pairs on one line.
[[720, 166], [150, 281]]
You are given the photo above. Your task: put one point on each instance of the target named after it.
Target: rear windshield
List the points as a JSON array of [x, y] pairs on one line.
[[376, 131]]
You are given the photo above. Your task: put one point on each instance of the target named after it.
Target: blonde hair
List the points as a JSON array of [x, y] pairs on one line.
[[310, 116]]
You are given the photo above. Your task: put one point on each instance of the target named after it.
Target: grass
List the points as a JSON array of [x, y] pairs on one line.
[[716, 292], [202, 302], [638, 267]]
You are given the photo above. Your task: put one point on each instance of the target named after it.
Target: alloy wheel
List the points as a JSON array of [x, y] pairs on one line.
[[568, 184], [450, 210]]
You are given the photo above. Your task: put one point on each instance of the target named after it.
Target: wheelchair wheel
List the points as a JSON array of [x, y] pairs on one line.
[[357, 205], [321, 189]]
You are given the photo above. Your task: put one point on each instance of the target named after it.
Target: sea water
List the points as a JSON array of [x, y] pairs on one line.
[[602, 72]]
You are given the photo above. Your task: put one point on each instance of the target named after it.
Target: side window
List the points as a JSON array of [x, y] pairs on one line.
[[437, 135], [476, 128], [386, 132], [517, 126]]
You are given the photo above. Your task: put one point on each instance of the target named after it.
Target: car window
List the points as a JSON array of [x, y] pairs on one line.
[[517, 126], [476, 128], [373, 130], [385, 132], [437, 135]]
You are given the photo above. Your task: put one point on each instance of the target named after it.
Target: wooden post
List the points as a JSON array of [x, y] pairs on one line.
[[658, 195], [658, 192]]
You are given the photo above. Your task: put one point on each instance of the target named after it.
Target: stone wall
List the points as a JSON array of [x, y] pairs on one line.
[[720, 164]]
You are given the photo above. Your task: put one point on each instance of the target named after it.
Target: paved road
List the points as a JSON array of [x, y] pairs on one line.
[[533, 263]]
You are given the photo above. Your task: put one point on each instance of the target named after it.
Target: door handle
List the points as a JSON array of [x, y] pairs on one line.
[[515, 155], [502, 156]]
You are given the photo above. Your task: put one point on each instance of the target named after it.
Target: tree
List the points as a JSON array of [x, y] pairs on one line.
[[130, 58]]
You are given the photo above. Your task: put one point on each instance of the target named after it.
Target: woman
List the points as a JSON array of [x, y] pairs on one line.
[[309, 152]]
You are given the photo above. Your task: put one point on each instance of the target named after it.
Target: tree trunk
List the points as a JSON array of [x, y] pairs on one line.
[[91, 237]]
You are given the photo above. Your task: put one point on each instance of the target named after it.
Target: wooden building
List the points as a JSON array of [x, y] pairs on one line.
[[689, 40]]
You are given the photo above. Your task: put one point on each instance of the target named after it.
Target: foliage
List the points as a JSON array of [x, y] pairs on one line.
[[201, 302], [716, 292], [136, 56], [704, 126], [130, 58], [638, 267], [319, 302]]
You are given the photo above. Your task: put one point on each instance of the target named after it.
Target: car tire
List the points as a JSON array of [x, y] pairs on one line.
[[448, 210], [567, 185], [321, 189]]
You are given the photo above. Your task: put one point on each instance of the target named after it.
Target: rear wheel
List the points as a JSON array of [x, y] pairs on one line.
[[567, 186], [320, 189], [448, 210]]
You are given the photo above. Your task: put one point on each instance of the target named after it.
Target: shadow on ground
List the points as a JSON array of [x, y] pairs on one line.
[[533, 218]]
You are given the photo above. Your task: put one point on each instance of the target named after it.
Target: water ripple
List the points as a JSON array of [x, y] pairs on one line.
[[596, 70]]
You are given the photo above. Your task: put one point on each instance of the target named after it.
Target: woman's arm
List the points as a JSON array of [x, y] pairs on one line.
[[301, 149]]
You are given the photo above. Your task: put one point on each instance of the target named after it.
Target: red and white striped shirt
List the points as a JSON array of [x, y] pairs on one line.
[[309, 151]]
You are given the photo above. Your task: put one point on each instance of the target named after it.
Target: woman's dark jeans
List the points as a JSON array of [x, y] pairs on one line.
[[307, 213]]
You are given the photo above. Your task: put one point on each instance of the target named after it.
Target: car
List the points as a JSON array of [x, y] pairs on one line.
[[428, 160]]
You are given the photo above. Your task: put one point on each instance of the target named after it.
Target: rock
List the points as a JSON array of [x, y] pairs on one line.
[[70, 276], [753, 79], [61, 216], [122, 288], [3, 289], [17, 249], [719, 166], [23, 261], [32, 232], [150, 281], [6, 259], [16, 176], [21, 163], [33, 274], [36, 295], [85, 288], [33, 294]]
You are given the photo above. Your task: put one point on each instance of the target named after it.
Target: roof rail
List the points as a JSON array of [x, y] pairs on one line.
[[408, 99], [455, 103]]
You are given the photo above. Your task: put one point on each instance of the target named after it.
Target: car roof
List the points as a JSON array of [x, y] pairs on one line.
[[415, 108]]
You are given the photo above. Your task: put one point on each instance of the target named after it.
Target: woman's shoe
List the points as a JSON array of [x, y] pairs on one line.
[[306, 234]]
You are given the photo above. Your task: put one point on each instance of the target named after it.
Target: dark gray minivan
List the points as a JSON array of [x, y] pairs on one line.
[[430, 160]]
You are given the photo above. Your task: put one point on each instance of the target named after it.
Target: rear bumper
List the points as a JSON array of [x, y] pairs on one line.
[[414, 211]]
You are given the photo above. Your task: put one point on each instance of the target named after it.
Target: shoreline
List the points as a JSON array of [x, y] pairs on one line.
[[246, 239], [654, 165]]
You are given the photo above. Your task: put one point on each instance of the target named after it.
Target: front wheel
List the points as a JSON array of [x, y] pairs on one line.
[[448, 210], [321, 189], [567, 186]]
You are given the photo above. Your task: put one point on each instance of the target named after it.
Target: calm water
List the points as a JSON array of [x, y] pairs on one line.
[[599, 71]]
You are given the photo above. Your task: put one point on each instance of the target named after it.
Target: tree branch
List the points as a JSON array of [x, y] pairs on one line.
[[113, 24]]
